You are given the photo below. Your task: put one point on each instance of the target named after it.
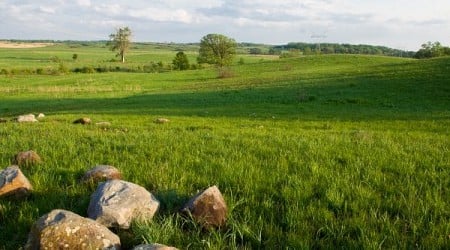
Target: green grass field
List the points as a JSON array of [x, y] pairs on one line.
[[336, 151]]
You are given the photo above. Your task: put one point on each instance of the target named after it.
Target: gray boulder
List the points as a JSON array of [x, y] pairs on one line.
[[117, 203], [14, 183], [26, 118], [61, 229], [208, 208]]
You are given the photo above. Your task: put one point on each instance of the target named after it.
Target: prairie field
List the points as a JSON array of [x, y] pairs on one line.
[[314, 152]]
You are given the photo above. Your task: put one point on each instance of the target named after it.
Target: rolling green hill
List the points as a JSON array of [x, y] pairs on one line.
[[331, 151]]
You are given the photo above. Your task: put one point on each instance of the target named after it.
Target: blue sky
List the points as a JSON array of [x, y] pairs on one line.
[[403, 24]]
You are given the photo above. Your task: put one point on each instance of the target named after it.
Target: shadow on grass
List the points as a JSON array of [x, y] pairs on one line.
[[360, 98]]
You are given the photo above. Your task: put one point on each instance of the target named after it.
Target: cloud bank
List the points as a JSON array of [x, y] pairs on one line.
[[396, 23]]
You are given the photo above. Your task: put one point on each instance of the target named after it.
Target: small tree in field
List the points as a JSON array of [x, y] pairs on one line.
[[181, 61], [120, 41], [217, 49]]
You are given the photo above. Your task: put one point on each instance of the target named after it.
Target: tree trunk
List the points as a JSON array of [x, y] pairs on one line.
[[122, 55]]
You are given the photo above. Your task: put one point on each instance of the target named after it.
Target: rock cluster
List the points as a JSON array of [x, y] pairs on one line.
[[114, 204]]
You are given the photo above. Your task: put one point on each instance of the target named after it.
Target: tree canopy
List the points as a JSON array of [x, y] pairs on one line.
[[180, 61], [120, 41], [217, 49], [430, 50]]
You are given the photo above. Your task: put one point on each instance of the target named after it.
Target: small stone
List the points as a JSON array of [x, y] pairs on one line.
[[162, 120], [40, 115], [155, 246], [208, 208], [83, 121], [26, 118], [117, 203], [14, 183], [102, 173], [64, 229], [103, 124], [27, 158]]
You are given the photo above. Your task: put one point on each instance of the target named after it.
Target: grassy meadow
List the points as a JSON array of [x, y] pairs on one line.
[[325, 151]]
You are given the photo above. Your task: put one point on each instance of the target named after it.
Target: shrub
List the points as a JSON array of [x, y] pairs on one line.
[[180, 62], [63, 68], [225, 72], [55, 59]]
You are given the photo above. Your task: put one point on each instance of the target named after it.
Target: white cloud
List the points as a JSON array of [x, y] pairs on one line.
[[47, 10], [385, 22], [162, 15], [84, 3]]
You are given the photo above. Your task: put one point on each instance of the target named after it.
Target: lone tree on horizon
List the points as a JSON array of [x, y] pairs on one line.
[[217, 49], [120, 41]]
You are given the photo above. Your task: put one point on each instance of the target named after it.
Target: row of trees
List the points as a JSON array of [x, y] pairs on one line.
[[214, 49], [220, 50], [334, 48]]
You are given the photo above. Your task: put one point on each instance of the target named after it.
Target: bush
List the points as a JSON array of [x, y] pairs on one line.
[[225, 72], [4, 72], [255, 51], [85, 69], [63, 68], [55, 59], [291, 54], [180, 62]]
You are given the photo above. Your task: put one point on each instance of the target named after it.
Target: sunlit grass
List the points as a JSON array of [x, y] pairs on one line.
[[315, 152]]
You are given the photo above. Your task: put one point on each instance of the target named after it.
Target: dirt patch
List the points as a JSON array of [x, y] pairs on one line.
[[22, 45]]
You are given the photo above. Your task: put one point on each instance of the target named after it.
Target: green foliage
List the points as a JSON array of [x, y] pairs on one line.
[[120, 41], [291, 53], [217, 49], [430, 50], [181, 61], [334, 48], [255, 51]]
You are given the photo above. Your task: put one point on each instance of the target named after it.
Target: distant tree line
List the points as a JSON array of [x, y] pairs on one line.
[[334, 48]]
